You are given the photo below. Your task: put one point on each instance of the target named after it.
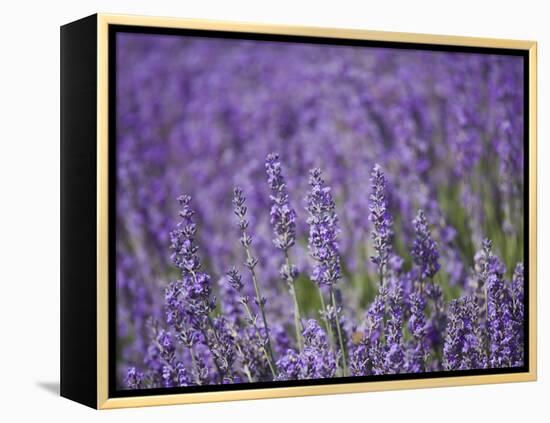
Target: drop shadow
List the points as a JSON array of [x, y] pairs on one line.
[[51, 387]]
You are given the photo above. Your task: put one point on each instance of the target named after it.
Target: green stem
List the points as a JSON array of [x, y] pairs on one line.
[[324, 307], [260, 306], [297, 316], [339, 330], [328, 327]]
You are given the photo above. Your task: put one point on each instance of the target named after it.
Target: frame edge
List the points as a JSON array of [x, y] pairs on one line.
[[78, 207], [103, 400], [533, 344]]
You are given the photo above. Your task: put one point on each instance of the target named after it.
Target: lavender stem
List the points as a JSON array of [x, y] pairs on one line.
[[299, 327], [339, 331]]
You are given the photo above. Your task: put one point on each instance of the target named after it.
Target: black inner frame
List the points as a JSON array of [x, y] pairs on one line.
[[112, 152]]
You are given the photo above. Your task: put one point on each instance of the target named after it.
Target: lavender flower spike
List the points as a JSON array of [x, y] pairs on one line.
[[283, 220], [463, 342], [424, 251], [239, 205], [289, 366], [517, 292], [134, 378], [418, 353], [367, 357], [380, 217], [499, 309], [317, 361], [323, 231], [394, 330], [189, 300], [323, 248], [184, 251], [500, 323], [314, 362], [196, 288], [282, 215]]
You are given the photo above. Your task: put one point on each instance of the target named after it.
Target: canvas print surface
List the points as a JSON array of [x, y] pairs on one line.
[[292, 211]]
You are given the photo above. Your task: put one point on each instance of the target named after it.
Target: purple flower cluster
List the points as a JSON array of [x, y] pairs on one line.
[[424, 251], [388, 270], [283, 221], [463, 342], [316, 361], [418, 352], [367, 356], [282, 215], [504, 321], [323, 231], [381, 220]]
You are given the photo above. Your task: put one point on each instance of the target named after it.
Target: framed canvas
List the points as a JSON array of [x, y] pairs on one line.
[[257, 211]]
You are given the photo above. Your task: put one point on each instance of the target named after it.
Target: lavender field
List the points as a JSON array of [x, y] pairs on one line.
[[298, 211]]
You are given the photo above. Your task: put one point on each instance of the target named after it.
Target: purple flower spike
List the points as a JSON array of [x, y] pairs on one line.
[[178, 317], [314, 362], [184, 251], [502, 342], [323, 231], [182, 377], [166, 346], [418, 353], [195, 286], [324, 249], [504, 332], [282, 215], [517, 291], [317, 361], [283, 221], [463, 342], [425, 253], [235, 279], [394, 362], [381, 220], [289, 366], [368, 356], [134, 379]]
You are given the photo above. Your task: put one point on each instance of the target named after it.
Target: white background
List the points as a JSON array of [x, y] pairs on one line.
[[29, 210]]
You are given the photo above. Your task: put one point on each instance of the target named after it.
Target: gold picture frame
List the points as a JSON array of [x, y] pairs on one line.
[[103, 400]]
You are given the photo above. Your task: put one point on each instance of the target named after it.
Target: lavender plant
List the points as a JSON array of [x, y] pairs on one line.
[[463, 342], [382, 223], [250, 263], [283, 220], [424, 250], [388, 270], [323, 248]]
